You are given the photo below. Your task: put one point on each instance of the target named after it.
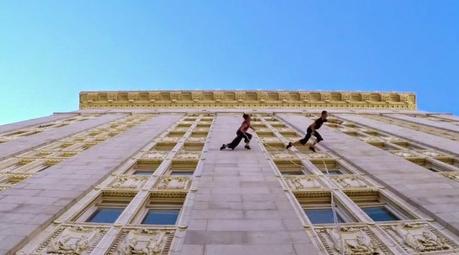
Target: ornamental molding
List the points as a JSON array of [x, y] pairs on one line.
[[244, 99]]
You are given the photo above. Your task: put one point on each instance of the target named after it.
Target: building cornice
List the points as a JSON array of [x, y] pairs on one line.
[[245, 99]]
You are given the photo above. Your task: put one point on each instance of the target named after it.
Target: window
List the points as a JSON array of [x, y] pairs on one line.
[[144, 167], [334, 172], [379, 213], [290, 167], [106, 208], [317, 206], [379, 207], [161, 216], [193, 146], [164, 146], [323, 216], [105, 215], [182, 167], [161, 209], [181, 173], [329, 166]]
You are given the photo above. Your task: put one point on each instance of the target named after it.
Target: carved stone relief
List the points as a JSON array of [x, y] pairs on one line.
[[349, 181], [174, 183], [128, 182], [70, 240], [351, 240], [142, 242], [418, 238], [301, 182]]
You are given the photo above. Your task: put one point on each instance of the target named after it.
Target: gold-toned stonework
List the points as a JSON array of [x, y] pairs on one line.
[[351, 240], [239, 99], [70, 240], [452, 175], [174, 183], [155, 155], [349, 181], [128, 182], [142, 241], [300, 183], [187, 155], [420, 238]]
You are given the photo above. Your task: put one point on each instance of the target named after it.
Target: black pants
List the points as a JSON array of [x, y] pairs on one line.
[[239, 136], [308, 135]]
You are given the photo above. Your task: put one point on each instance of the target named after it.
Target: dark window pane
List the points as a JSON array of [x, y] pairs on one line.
[[161, 217], [322, 216], [334, 172], [182, 173], [105, 215], [380, 213]]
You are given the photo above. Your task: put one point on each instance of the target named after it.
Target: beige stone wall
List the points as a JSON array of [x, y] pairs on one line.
[[232, 202]]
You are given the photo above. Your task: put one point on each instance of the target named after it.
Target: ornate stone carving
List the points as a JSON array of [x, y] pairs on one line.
[[169, 139], [174, 183], [155, 155], [302, 182], [351, 240], [128, 182], [452, 175], [188, 155], [405, 154], [349, 181], [318, 155], [187, 99], [430, 153], [283, 155], [416, 237], [70, 240], [142, 242], [372, 139]]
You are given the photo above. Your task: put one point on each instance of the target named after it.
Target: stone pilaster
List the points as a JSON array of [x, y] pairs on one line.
[[28, 207], [431, 193]]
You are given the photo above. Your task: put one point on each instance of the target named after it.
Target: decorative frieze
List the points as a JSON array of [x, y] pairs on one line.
[[142, 241], [351, 240], [303, 183], [128, 182], [173, 183], [420, 238], [349, 181], [155, 155], [238, 99], [188, 155], [69, 240]]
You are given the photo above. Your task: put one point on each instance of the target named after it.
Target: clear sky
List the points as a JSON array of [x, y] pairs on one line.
[[51, 50]]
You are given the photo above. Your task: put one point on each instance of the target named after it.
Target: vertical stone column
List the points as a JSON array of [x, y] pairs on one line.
[[28, 207], [433, 141], [240, 207], [431, 193], [23, 144]]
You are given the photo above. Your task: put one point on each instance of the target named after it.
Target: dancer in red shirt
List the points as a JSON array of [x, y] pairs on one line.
[[241, 133]]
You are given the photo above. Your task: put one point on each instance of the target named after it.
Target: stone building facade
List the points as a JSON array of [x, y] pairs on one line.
[[140, 172]]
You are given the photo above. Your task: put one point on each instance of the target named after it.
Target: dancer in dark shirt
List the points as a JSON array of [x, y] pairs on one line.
[[241, 133], [312, 130]]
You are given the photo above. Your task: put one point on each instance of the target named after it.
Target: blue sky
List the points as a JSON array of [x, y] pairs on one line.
[[51, 50]]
